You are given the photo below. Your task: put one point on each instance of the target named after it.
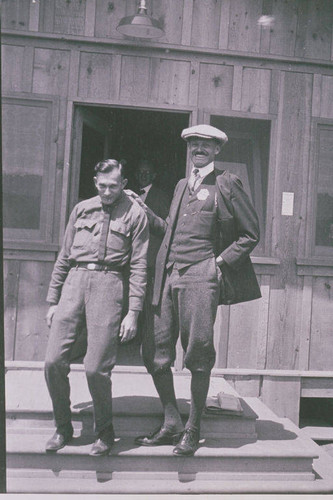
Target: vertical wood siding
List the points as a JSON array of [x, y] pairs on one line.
[[321, 350], [314, 30], [12, 66], [63, 16], [31, 328], [15, 14], [205, 23], [170, 14], [215, 86], [322, 104], [283, 33], [95, 75], [293, 142], [256, 90], [301, 28], [172, 79], [50, 72], [286, 329], [134, 79], [108, 15], [11, 285], [244, 31]]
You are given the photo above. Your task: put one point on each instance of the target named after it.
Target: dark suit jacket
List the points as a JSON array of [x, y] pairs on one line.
[[159, 202], [238, 234]]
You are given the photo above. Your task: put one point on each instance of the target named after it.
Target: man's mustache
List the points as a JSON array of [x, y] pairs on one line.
[[199, 152]]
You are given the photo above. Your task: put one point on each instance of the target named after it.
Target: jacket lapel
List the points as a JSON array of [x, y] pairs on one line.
[[176, 201]]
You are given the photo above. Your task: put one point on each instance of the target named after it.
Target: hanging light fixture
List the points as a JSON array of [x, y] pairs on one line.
[[141, 25]]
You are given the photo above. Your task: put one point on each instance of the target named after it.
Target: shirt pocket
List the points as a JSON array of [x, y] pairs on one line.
[[119, 236], [85, 232]]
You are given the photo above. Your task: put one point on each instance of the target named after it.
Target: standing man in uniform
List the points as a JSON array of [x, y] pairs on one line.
[[203, 261], [158, 201], [104, 234]]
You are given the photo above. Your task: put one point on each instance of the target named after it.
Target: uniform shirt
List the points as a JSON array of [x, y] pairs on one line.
[[127, 242]]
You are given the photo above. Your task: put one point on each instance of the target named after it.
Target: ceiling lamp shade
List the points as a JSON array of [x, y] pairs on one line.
[[141, 25]]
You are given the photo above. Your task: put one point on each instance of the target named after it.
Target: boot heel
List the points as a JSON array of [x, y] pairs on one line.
[[176, 438]]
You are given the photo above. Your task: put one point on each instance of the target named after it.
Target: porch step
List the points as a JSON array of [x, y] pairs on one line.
[[318, 433], [224, 466], [272, 458], [136, 407], [285, 455], [94, 483], [128, 420]]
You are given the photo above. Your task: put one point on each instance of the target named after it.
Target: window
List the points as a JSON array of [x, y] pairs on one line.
[[246, 154], [25, 145], [324, 194]]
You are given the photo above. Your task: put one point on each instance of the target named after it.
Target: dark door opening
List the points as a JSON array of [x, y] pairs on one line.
[[125, 134], [130, 134]]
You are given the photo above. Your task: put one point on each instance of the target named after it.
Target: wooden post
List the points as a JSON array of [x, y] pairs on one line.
[[2, 383], [282, 395]]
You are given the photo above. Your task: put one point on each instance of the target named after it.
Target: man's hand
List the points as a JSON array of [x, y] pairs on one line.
[[128, 326], [137, 198], [50, 314]]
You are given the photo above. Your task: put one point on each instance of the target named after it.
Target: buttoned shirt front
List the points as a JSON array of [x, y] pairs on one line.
[[202, 173], [127, 242]]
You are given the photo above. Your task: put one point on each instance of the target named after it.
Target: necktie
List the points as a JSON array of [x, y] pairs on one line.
[[193, 179], [104, 234]]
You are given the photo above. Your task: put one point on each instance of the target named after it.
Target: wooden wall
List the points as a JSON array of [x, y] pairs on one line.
[[214, 59], [301, 29]]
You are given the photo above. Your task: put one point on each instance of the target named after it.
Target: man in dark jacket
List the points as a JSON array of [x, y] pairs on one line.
[[204, 260], [158, 201]]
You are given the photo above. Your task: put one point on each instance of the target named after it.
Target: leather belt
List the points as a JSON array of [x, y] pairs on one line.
[[92, 266]]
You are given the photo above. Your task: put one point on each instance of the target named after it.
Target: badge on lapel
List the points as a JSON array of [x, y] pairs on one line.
[[203, 194]]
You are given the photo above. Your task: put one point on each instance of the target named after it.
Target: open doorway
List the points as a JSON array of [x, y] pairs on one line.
[[125, 134], [129, 134]]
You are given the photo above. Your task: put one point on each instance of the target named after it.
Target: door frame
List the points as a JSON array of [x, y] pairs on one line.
[[70, 153], [81, 117], [265, 245], [71, 169]]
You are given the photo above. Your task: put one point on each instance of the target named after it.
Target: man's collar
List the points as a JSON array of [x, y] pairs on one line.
[[203, 171]]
